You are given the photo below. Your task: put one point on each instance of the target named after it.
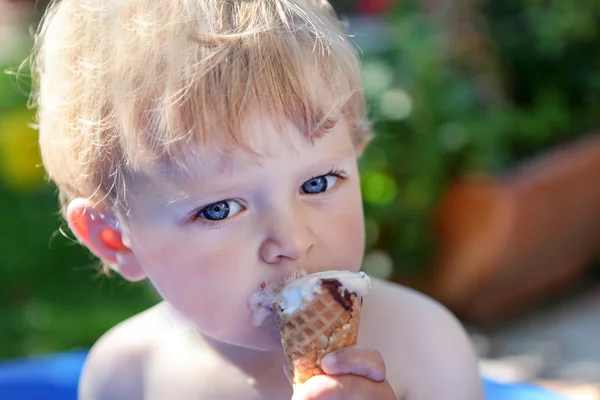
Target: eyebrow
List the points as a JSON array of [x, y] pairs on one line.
[[325, 127]]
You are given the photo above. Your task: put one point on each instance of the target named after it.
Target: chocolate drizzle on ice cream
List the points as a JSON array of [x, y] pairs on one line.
[[340, 294]]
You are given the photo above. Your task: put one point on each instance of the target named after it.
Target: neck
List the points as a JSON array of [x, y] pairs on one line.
[[255, 364], [251, 361]]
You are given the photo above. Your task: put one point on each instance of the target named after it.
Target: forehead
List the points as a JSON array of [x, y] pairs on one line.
[[262, 137]]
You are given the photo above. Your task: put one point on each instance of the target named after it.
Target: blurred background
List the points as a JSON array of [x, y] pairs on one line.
[[481, 189]]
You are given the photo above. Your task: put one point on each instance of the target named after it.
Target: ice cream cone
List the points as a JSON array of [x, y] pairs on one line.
[[326, 319]]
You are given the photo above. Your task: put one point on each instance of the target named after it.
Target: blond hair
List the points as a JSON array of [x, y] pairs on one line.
[[124, 83]]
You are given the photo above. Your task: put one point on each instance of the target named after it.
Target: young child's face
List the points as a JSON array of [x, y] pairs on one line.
[[236, 226]]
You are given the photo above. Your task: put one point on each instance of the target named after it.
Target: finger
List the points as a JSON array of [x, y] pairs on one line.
[[355, 360], [347, 387]]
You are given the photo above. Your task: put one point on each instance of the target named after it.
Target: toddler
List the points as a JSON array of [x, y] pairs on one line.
[[210, 146]]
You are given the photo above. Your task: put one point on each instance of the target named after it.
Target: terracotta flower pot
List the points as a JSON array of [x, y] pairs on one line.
[[506, 244]]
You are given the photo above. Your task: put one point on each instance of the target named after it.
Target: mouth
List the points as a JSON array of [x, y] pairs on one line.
[[261, 301]]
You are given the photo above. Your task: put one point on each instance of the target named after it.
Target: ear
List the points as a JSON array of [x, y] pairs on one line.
[[100, 233]]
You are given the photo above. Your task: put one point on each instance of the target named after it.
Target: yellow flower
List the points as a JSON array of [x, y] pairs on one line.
[[20, 162]]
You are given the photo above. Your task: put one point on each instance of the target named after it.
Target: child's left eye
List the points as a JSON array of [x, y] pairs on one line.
[[320, 184]]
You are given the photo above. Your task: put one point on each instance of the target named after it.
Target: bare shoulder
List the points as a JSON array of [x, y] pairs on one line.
[[426, 349], [114, 366], [407, 315], [407, 306]]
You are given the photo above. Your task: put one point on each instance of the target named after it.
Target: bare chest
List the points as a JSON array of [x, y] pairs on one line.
[[183, 374]]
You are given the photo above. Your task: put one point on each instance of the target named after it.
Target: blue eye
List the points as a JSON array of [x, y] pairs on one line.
[[220, 210], [319, 184]]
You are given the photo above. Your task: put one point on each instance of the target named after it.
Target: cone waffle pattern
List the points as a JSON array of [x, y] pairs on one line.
[[319, 327]]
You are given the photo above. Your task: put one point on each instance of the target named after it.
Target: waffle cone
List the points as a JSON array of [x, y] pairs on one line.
[[320, 326]]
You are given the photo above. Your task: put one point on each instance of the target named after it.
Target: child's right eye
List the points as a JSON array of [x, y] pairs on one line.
[[219, 211]]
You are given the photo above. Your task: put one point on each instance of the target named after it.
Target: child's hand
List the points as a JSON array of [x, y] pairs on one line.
[[352, 373]]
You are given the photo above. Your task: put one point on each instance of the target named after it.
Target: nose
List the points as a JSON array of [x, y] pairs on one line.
[[289, 238]]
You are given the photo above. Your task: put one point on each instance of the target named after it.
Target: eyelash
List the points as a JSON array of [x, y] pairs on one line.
[[196, 217], [334, 172]]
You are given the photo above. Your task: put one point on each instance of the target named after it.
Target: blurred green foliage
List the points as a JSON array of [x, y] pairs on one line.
[[523, 78], [442, 107]]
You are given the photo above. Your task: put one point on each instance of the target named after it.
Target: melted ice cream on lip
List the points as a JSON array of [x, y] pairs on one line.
[[302, 290], [261, 301]]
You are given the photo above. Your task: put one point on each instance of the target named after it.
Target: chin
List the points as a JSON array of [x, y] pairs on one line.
[[266, 339], [263, 338], [268, 347]]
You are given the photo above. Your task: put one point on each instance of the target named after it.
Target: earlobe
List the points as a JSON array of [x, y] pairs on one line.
[[99, 232]]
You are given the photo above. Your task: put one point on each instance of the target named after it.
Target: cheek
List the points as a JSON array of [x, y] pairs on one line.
[[210, 288], [350, 234], [352, 226], [190, 270], [343, 234]]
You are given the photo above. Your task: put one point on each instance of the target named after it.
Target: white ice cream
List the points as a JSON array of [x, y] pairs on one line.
[[261, 301], [302, 290]]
